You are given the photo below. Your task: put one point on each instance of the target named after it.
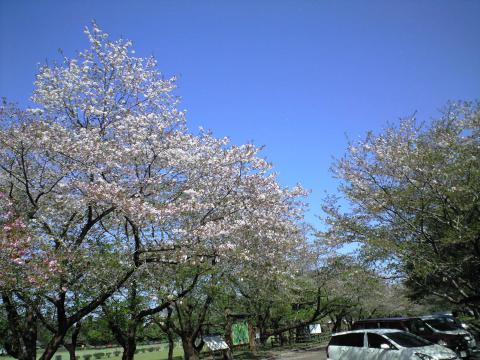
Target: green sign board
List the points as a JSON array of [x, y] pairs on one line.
[[240, 333]]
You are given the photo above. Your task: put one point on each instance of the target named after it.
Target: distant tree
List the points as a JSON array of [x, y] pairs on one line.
[[413, 193], [287, 295], [361, 293], [95, 330]]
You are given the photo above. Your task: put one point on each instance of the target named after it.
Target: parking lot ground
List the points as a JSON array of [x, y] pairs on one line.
[[315, 354], [311, 354]]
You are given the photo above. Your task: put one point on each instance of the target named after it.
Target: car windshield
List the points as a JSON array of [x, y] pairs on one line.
[[407, 340], [419, 327], [441, 324]]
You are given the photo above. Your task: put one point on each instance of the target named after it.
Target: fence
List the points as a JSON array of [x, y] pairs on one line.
[[305, 338]]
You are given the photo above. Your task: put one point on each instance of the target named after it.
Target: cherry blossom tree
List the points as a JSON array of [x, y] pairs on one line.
[[413, 192], [25, 265], [259, 241], [107, 181]]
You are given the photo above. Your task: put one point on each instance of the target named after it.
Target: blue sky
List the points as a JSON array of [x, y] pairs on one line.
[[293, 75]]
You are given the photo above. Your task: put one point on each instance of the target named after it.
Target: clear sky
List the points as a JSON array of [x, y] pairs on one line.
[[293, 75]]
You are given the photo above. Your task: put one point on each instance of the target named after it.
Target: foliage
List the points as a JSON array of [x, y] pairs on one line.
[[414, 202], [95, 331], [107, 179], [358, 292]]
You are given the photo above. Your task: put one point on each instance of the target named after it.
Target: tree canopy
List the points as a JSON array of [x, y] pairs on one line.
[[414, 205]]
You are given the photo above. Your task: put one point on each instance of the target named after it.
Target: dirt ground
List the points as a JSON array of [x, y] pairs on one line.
[[311, 354]]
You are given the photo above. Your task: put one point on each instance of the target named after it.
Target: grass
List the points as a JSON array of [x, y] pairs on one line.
[[161, 351], [160, 354]]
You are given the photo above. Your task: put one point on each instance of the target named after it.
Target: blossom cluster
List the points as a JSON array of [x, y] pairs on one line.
[[109, 177]]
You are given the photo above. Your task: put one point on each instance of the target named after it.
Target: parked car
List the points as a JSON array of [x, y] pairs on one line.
[[418, 327], [452, 318], [384, 344], [450, 325]]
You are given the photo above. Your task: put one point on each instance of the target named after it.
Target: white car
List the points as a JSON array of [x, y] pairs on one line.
[[384, 344]]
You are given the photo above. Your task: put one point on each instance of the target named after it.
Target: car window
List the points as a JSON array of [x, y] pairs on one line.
[[407, 340], [441, 324], [358, 325], [455, 321], [365, 325], [419, 327], [353, 339], [375, 340]]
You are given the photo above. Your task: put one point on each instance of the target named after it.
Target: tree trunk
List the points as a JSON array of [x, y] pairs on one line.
[[30, 336], [171, 345], [129, 348], [21, 336], [251, 336], [337, 325], [291, 335], [27, 348], [71, 351], [263, 337], [30, 352], [189, 349], [53, 345], [73, 345], [29, 340], [227, 354], [228, 328]]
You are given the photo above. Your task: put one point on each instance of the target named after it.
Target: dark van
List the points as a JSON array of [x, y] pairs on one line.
[[418, 327]]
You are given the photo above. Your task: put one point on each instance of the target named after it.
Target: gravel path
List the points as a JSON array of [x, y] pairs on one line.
[[313, 354]]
